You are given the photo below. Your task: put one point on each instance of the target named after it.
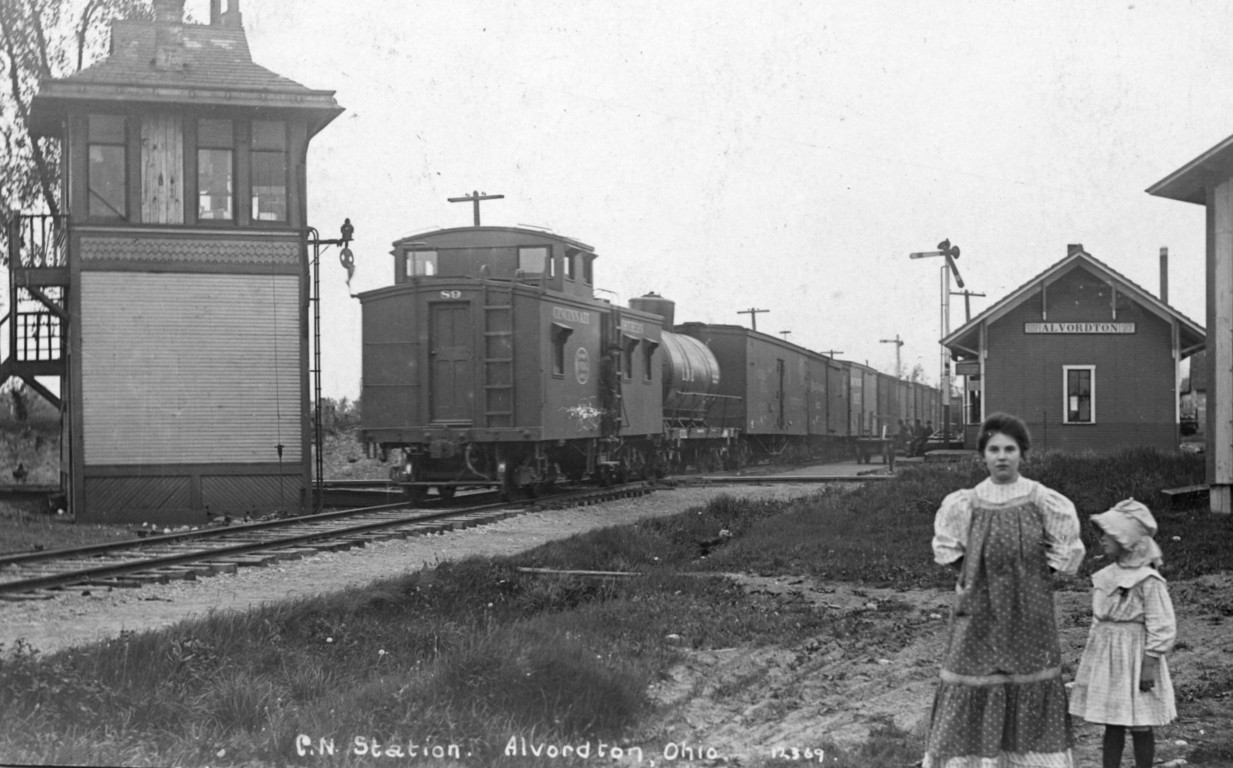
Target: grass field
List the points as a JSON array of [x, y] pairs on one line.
[[465, 657]]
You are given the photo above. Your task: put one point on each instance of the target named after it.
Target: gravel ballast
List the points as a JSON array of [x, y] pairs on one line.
[[75, 619]]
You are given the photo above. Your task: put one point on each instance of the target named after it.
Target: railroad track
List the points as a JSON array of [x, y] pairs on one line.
[[190, 555]]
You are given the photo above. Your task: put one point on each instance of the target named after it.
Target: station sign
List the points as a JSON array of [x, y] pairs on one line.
[[1074, 328]]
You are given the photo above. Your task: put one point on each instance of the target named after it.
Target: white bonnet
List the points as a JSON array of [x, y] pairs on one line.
[[1132, 526]]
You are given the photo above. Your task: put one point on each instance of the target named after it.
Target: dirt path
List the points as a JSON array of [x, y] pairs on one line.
[[745, 704]]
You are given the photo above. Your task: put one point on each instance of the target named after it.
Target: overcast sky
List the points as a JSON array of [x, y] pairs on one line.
[[783, 155]]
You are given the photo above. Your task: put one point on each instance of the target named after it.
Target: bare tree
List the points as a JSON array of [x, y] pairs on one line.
[[42, 39]]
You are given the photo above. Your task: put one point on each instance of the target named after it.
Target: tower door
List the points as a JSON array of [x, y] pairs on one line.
[[450, 353]]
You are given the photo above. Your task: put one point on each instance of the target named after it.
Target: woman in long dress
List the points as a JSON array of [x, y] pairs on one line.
[[1001, 700]]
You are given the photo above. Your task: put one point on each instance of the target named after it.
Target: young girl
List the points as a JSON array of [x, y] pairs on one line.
[[1123, 680]]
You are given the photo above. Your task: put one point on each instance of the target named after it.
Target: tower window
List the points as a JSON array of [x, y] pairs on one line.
[[268, 161], [215, 170], [107, 175]]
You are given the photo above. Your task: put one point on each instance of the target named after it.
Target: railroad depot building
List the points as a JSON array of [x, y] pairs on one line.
[[1088, 359], [180, 284]]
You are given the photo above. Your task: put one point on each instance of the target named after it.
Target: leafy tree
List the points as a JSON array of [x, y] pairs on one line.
[[918, 375], [42, 39]]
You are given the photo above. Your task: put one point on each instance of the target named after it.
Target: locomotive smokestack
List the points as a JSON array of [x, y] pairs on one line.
[[1164, 275]]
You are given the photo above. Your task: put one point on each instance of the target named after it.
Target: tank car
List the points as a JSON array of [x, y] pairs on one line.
[[490, 363]]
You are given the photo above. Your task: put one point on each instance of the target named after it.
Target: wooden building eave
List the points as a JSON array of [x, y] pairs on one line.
[[1189, 183], [57, 98]]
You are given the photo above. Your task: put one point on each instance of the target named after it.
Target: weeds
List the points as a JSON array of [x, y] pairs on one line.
[[476, 652]]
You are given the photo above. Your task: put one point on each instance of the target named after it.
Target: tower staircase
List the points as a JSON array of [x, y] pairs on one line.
[[36, 319]]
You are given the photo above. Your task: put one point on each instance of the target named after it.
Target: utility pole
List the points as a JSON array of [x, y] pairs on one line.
[[949, 253], [898, 342], [475, 198], [967, 302], [784, 334], [753, 315], [832, 352]]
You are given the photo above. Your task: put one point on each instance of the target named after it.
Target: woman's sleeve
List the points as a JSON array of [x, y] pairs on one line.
[[1065, 547], [950, 527], [1158, 616]]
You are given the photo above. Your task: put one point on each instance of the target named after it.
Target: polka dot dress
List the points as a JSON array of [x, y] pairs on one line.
[[1001, 701]]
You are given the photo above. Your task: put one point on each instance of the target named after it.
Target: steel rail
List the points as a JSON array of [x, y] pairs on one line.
[[69, 578], [200, 533]]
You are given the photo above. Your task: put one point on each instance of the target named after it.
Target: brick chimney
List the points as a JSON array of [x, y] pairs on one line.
[[1073, 248], [232, 16], [216, 12], [169, 51], [168, 11]]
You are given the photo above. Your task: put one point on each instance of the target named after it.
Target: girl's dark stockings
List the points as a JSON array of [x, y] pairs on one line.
[[1115, 742], [1145, 747]]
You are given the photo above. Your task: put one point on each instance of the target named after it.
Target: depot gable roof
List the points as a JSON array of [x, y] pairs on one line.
[[965, 340]]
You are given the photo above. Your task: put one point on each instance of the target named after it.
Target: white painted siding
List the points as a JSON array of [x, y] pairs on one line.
[[180, 368]]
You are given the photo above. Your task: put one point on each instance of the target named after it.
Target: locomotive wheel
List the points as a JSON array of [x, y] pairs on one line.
[[446, 492]]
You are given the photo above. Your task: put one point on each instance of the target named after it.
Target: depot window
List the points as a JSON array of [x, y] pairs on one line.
[[107, 174], [215, 170], [1080, 387], [421, 263], [268, 166]]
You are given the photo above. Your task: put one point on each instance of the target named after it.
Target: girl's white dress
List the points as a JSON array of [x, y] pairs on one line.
[[1132, 616]]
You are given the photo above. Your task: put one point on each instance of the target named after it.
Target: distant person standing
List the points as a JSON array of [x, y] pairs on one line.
[[1001, 701]]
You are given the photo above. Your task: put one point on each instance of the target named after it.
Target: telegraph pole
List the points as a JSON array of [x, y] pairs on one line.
[[753, 315], [950, 253], [967, 302], [898, 342], [474, 198], [784, 334]]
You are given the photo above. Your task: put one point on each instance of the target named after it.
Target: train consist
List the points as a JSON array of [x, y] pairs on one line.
[[491, 362]]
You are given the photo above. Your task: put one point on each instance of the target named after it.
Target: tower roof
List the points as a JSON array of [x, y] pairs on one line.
[[169, 62]]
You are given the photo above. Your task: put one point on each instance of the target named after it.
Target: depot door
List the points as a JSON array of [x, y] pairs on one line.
[[449, 355]]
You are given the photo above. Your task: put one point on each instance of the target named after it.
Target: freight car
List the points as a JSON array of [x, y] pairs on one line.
[[490, 362]]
